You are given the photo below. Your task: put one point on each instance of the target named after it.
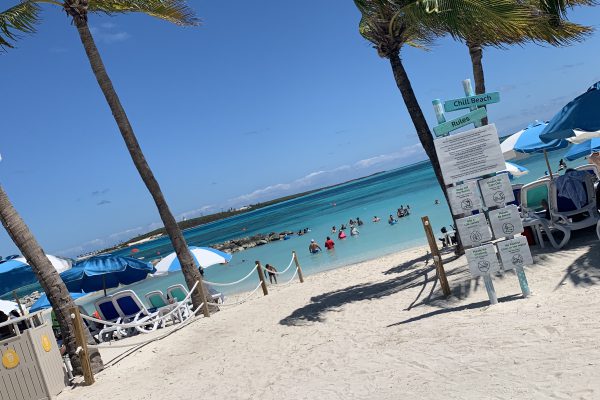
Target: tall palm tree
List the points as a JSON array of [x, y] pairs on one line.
[[49, 279], [392, 24], [546, 25], [21, 19], [177, 12]]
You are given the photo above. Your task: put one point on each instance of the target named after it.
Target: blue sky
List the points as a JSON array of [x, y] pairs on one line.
[[264, 99]]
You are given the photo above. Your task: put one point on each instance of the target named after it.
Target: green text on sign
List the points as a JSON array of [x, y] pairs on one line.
[[471, 101], [449, 126]]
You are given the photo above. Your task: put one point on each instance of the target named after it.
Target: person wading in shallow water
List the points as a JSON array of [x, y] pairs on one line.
[[313, 247], [271, 271]]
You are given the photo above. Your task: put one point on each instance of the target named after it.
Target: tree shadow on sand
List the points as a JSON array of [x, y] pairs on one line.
[[585, 270], [422, 273]]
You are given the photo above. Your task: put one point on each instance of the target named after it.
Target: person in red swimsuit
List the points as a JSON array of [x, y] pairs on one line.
[[329, 244]]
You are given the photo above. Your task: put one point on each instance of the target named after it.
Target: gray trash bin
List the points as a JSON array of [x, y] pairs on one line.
[[31, 367]]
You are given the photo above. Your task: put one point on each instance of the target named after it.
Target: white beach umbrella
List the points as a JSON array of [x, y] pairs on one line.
[[204, 257], [581, 136], [514, 169], [7, 306]]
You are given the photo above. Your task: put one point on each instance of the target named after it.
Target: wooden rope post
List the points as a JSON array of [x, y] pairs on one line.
[[261, 276], [298, 267], [81, 342], [437, 259]]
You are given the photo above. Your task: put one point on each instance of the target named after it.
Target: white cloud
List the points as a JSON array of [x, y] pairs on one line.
[[106, 33]]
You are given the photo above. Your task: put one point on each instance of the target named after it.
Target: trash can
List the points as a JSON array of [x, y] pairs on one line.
[[31, 367]]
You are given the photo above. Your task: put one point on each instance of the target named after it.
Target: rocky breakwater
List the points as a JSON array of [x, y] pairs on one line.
[[236, 245]]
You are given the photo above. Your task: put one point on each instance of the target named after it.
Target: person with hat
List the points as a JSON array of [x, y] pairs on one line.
[[313, 247]]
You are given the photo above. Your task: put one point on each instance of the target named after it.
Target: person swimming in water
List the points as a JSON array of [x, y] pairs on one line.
[[313, 247], [391, 220], [359, 222], [436, 202], [376, 219], [354, 231], [342, 234]]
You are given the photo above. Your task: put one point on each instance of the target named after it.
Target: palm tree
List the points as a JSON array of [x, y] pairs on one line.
[[22, 18], [174, 11], [49, 279], [546, 25]]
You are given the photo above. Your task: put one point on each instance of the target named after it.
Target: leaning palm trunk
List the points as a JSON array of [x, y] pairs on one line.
[[418, 119], [191, 274], [49, 279], [476, 53]]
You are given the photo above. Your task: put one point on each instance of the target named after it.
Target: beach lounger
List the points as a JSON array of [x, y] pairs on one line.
[[566, 211], [131, 309], [108, 312], [537, 217], [179, 293], [160, 303]]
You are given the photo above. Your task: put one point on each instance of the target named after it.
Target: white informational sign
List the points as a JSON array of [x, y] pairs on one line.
[[469, 154], [506, 221], [496, 191], [473, 230], [482, 260], [464, 198], [514, 253]]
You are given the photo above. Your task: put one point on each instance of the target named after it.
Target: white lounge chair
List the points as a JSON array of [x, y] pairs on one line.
[[108, 312], [537, 216], [592, 169], [564, 211], [131, 309], [158, 302]]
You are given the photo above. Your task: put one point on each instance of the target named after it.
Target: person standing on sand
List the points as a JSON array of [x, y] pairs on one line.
[[271, 271], [329, 244], [313, 247]]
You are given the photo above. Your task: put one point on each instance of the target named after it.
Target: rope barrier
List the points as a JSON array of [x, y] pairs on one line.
[[233, 283], [243, 300], [146, 320], [291, 279]]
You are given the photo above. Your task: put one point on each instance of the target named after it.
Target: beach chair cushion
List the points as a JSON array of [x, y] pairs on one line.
[[178, 293], [157, 299], [107, 309], [535, 196]]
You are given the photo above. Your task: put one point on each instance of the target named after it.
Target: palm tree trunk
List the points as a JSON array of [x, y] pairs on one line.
[[190, 272], [418, 119], [476, 53], [50, 280]]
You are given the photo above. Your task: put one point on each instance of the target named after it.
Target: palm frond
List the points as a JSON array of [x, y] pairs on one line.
[[559, 8], [20, 18], [175, 11]]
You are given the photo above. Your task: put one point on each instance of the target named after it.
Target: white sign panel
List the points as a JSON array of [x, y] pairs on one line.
[[473, 230], [469, 154], [506, 221], [482, 260], [496, 191], [464, 198], [514, 252]]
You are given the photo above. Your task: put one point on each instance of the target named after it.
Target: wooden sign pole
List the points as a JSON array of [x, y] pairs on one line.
[[298, 267], [82, 348], [437, 259], [261, 276]]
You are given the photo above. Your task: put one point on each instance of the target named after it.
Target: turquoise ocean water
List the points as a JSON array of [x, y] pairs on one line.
[[379, 195]]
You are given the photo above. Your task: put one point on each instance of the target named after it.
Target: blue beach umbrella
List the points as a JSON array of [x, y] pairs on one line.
[[581, 114], [583, 149], [42, 303], [16, 272], [528, 141], [107, 271], [204, 257], [514, 169]]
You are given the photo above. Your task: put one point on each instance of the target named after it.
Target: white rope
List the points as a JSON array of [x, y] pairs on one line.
[[243, 300], [291, 279], [146, 320], [123, 345], [282, 272], [232, 283]]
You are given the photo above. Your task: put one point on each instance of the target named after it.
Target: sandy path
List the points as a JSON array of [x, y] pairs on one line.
[[347, 334]]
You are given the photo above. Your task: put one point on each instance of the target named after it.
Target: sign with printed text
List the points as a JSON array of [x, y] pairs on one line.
[[506, 221], [469, 154], [482, 260], [473, 230], [496, 191], [446, 127], [464, 198], [472, 101], [514, 252]]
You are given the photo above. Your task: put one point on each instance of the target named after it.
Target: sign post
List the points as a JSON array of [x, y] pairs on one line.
[[469, 162]]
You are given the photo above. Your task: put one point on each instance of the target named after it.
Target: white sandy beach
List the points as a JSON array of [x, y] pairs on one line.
[[381, 330]]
